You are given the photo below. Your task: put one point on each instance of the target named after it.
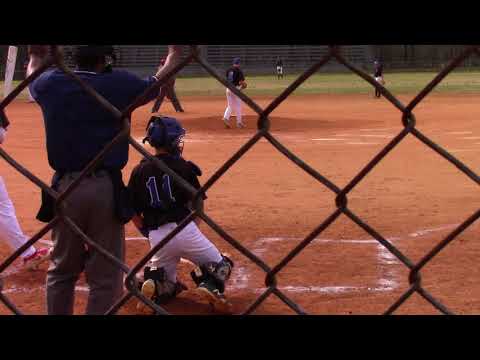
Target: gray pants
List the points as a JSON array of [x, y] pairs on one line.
[[91, 207], [168, 91]]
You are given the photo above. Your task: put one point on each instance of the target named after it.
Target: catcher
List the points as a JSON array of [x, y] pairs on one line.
[[236, 77], [161, 204]]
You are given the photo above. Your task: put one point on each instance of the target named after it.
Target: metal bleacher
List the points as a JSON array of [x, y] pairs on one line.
[[256, 59]]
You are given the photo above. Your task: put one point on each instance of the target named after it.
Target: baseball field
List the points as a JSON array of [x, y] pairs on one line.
[[414, 198]]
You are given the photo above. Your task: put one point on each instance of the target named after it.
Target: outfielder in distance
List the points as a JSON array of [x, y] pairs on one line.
[[279, 66], [234, 103], [378, 74], [160, 204]]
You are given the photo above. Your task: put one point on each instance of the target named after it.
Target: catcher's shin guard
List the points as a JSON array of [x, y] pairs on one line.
[[211, 279], [216, 273], [158, 288]]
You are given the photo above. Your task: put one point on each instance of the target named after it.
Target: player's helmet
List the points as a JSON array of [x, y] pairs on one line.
[[166, 132]]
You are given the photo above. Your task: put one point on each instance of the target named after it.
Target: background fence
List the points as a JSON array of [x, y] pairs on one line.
[[260, 59]]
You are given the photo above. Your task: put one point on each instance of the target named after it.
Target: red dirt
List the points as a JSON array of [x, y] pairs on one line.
[[269, 204]]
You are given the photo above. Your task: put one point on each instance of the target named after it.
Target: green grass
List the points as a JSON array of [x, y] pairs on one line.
[[23, 94], [328, 83], [347, 83]]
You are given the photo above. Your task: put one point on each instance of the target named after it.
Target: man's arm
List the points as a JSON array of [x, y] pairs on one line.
[[172, 60], [38, 54]]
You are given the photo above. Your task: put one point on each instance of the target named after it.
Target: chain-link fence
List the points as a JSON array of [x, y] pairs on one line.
[[406, 117]]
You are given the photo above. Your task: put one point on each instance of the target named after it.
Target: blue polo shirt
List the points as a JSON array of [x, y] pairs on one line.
[[77, 127]]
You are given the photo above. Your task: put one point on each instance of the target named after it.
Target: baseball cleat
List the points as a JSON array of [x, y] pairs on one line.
[[148, 290], [241, 125], [39, 257], [216, 299], [227, 123], [151, 289]]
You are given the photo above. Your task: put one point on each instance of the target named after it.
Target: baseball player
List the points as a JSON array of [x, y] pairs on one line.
[[168, 90], [77, 129], [10, 231], [378, 75], [234, 76], [160, 204], [279, 66]]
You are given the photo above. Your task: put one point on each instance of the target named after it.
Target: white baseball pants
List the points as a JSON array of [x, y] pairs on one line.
[[10, 231], [189, 244], [235, 105]]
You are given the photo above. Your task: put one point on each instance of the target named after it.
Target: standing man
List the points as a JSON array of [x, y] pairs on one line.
[[234, 103], [77, 128], [279, 65], [378, 74], [168, 90]]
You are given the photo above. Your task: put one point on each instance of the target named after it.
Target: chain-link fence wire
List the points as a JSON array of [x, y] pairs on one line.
[[263, 125]]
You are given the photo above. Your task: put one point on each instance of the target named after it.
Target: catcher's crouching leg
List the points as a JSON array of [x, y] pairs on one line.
[[158, 288], [210, 279]]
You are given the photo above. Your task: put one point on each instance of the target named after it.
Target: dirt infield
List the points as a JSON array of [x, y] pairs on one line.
[[414, 198]]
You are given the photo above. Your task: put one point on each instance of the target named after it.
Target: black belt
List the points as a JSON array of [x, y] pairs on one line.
[[95, 173]]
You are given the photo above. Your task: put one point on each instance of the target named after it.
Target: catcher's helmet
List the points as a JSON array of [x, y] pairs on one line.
[[166, 132]]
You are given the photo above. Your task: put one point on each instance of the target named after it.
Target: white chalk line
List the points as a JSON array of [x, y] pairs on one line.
[[362, 143], [386, 283], [25, 290], [388, 136], [463, 150], [459, 132], [326, 289], [241, 278], [381, 129]]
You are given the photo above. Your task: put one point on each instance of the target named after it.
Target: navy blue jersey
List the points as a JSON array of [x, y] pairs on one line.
[[156, 196], [235, 75], [77, 127]]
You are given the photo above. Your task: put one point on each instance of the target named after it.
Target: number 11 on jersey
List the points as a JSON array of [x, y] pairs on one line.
[[155, 201]]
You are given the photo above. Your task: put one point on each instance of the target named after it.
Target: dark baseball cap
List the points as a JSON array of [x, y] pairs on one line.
[[236, 61]]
